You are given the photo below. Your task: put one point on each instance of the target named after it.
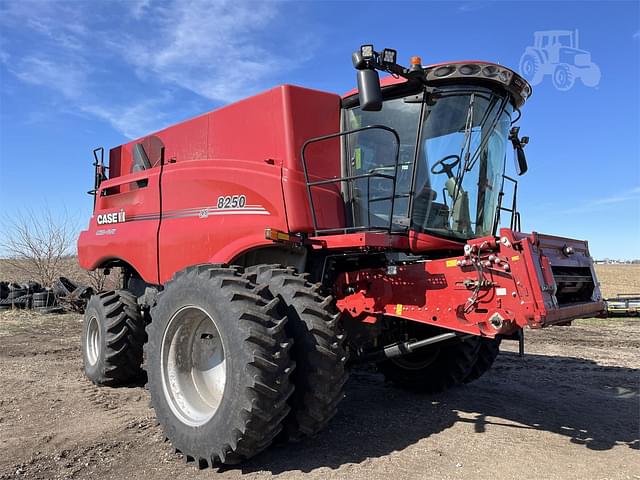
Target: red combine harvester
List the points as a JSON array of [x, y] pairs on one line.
[[270, 244]]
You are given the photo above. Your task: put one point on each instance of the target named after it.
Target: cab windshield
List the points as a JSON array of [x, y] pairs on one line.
[[461, 136]]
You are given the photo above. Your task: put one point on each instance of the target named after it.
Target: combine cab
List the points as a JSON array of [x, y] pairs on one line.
[[270, 244]]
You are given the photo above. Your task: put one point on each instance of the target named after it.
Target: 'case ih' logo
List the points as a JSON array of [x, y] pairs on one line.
[[113, 217]]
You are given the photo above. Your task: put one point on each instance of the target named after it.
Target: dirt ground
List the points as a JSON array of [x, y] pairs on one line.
[[569, 409]]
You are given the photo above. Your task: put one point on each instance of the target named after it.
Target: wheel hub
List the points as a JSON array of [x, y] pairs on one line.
[[92, 341], [193, 366]]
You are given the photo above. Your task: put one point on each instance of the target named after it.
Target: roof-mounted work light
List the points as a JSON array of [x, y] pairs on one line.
[[388, 56], [367, 52]]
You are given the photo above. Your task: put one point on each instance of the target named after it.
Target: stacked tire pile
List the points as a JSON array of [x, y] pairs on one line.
[[70, 295], [63, 294], [25, 296]]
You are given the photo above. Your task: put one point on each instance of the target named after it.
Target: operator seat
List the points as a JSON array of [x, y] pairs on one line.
[[461, 218]]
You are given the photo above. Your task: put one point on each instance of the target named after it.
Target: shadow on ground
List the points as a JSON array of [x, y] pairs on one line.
[[595, 406]]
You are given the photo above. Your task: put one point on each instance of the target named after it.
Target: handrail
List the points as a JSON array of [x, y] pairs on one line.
[[514, 224], [350, 178]]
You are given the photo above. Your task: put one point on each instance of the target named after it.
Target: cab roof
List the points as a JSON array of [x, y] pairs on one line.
[[519, 88]]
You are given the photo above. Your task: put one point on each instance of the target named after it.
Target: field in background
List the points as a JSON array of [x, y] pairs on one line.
[[615, 279]]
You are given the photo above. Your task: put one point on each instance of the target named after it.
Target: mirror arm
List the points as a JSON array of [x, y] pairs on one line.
[[369, 82], [518, 146]]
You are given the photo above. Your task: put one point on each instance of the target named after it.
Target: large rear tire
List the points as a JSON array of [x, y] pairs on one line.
[[433, 369], [487, 353], [218, 365], [112, 339], [318, 348]]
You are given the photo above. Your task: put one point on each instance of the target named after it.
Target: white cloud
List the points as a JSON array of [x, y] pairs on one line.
[[210, 48], [60, 22], [70, 80], [636, 35], [133, 120]]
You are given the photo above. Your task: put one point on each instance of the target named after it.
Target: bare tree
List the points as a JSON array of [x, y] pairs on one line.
[[97, 279], [38, 243], [100, 281]]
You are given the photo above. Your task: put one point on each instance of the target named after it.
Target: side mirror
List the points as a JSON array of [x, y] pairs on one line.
[[518, 146], [369, 90], [521, 161]]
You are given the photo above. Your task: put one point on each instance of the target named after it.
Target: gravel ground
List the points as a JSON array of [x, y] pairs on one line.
[[568, 409]]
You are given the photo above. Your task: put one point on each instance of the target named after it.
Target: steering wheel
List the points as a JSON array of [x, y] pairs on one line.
[[446, 167]]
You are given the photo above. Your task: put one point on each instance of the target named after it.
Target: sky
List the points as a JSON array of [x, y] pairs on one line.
[[75, 75]]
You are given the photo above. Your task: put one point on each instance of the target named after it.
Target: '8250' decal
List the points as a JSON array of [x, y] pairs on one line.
[[231, 201]]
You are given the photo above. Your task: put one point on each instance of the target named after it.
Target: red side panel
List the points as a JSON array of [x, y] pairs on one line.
[[213, 210], [124, 224], [309, 114], [225, 179], [269, 127], [187, 140], [250, 129]]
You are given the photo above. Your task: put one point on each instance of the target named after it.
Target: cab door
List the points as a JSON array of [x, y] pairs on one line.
[[127, 213]]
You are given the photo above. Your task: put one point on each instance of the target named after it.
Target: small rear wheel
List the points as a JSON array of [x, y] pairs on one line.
[[112, 339], [218, 365]]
